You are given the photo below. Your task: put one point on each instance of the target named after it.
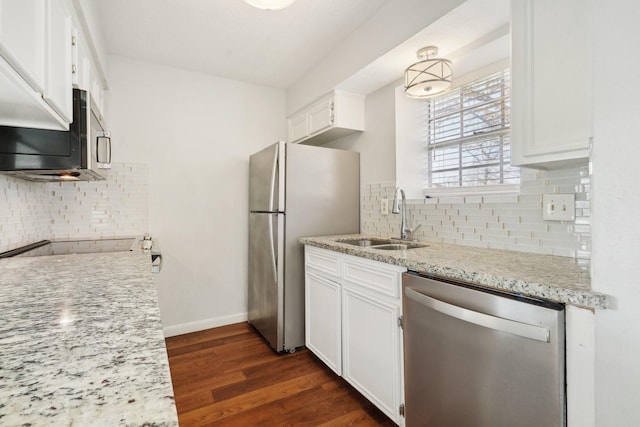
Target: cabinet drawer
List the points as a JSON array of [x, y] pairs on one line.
[[384, 279], [321, 260]]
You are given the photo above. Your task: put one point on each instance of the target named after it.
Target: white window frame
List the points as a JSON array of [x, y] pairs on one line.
[[462, 189]]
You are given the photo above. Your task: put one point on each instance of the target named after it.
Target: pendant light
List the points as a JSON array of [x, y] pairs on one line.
[[270, 4], [429, 76]]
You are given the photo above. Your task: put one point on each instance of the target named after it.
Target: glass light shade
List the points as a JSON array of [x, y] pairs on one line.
[[428, 78], [270, 4]]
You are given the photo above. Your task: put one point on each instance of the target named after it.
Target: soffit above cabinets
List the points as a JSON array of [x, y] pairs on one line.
[[473, 35]]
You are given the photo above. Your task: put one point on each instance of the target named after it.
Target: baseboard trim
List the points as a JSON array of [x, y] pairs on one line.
[[200, 325]]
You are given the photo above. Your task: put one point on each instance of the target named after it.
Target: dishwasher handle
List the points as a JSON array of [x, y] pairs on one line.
[[525, 330]]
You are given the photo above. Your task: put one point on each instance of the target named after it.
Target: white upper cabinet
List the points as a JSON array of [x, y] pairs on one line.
[[552, 82], [58, 91], [36, 64], [81, 62], [84, 72], [21, 106], [22, 38], [334, 115]]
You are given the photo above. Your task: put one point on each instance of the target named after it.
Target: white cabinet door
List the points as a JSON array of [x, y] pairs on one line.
[[81, 62], [320, 116], [298, 127], [322, 320], [58, 91], [552, 80], [21, 106], [372, 350], [352, 307], [334, 115], [22, 38]]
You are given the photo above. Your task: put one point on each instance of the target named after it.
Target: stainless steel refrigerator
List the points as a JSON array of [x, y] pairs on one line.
[[294, 191]]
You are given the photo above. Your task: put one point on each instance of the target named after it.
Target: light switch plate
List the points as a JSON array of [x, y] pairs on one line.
[[384, 206], [559, 207]]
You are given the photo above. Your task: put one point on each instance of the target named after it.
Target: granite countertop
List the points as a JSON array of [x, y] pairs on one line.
[[81, 342], [555, 278]]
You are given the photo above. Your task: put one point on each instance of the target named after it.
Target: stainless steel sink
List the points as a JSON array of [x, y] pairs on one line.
[[382, 244], [398, 246], [365, 242]]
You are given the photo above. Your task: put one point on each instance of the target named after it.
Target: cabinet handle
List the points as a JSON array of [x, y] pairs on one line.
[[331, 113]]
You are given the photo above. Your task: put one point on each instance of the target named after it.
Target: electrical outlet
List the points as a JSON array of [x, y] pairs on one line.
[[559, 207], [384, 206]]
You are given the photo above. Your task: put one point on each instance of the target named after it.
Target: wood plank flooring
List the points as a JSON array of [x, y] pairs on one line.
[[229, 376]]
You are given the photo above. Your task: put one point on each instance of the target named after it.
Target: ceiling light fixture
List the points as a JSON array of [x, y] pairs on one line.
[[270, 4], [429, 76]]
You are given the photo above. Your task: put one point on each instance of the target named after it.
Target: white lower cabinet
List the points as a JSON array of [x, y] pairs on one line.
[[371, 355], [322, 330], [353, 309]]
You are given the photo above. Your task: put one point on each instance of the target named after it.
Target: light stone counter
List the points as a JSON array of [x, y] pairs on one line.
[[81, 342], [555, 278]]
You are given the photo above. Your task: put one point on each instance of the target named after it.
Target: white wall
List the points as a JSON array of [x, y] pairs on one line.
[[377, 146], [616, 205], [196, 132]]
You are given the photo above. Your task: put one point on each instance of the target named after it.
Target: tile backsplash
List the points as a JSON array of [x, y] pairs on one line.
[[31, 211], [499, 221], [119, 206]]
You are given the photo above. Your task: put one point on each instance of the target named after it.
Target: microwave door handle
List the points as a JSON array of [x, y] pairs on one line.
[[108, 136], [102, 135], [520, 329]]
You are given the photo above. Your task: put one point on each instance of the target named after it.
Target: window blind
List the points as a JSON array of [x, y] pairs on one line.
[[468, 135]]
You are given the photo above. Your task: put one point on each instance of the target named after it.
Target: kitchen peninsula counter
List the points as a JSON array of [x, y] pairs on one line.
[[81, 342], [561, 279]]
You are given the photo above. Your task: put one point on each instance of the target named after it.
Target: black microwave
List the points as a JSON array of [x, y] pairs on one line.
[[79, 154]]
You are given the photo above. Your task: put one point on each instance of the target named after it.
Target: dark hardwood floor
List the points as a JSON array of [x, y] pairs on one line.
[[229, 376]]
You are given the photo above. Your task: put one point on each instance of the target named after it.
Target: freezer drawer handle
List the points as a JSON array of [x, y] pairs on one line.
[[499, 324]]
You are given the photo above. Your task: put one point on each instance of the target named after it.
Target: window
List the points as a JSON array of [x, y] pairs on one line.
[[468, 135]]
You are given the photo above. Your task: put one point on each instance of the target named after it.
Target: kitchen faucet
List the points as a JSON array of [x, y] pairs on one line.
[[405, 231]]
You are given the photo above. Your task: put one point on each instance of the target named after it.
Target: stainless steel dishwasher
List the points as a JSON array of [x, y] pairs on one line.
[[477, 357]]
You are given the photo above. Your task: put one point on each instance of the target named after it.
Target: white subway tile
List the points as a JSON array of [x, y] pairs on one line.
[[473, 199], [526, 234], [500, 198], [452, 199]]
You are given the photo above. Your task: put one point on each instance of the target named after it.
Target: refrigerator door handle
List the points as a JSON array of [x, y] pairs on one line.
[[274, 175], [272, 242], [524, 330]]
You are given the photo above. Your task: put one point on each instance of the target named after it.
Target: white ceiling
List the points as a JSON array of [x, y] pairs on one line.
[[229, 38]]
